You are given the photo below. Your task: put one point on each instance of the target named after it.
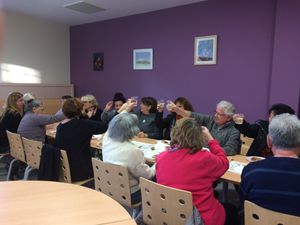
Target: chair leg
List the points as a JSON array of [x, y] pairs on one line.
[[27, 172], [10, 169]]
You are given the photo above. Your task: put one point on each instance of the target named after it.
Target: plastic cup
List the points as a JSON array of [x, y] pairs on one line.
[[239, 119]]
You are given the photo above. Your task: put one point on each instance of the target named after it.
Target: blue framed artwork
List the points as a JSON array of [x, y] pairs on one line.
[[98, 60], [143, 59], [205, 50]]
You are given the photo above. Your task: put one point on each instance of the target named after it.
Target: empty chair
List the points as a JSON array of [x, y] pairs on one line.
[[246, 142], [113, 180], [16, 150], [165, 205], [65, 170], [32, 151], [256, 215]]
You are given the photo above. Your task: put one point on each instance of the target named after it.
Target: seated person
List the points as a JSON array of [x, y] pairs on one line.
[[221, 125], [28, 96], [259, 130], [274, 183], [118, 149], [188, 166], [90, 108], [169, 122], [10, 118], [146, 117], [64, 98], [33, 123], [74, 136], [109, 112]]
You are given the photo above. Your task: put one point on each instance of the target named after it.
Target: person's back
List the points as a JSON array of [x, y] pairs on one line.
[[185, 165], [274, 183], [74, 136]]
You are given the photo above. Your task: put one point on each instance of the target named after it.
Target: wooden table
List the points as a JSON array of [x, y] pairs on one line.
[[230, 177], [44, 202]]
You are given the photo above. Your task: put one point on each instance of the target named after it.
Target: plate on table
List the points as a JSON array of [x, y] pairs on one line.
[[254, 158]]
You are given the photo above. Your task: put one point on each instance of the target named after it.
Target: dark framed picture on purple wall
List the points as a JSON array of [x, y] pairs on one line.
[[205, 50], [98, 59]]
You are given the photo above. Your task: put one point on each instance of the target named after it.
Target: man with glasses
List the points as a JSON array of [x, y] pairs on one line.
[[220, 125]]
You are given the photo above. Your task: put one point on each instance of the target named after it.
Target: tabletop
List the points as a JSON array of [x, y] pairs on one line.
[[45, 202]]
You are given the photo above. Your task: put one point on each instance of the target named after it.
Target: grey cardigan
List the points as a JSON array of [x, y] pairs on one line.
[[32, 125]]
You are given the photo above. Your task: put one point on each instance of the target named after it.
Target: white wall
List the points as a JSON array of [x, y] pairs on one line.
[[35, 51]]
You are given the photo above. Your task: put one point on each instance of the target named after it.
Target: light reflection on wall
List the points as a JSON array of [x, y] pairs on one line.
[[19, 74]]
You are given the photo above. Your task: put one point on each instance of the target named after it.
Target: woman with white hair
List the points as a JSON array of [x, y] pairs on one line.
[[33, 123], [117, 148]]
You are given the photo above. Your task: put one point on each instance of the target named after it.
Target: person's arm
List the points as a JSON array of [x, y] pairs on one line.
[[219, 163], [139, 168], [106, 116], [96, 127], [250, 130], [218, 160], [233, 143], [43, 119]]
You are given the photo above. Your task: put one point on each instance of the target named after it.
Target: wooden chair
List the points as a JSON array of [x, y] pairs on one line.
[[33, 150], [16, 150], [256, 215], [246, 142], [165, 205], [113, 180], [65, 170]]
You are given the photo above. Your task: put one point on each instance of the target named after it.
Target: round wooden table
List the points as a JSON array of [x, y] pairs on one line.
[[44, 202]]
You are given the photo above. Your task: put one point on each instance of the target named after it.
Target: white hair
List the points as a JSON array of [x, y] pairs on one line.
[[228, 107], [284, 131]]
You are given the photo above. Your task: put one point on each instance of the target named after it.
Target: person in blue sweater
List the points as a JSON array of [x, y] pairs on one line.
[[274, 183]]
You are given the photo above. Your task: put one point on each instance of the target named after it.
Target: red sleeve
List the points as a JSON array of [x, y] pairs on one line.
[[219, 162]]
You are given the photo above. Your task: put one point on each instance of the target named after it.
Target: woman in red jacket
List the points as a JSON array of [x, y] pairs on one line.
[[188, 166]]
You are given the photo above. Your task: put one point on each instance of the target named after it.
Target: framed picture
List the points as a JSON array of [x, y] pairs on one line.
[[205, 50], [143, 59], [98, 59]]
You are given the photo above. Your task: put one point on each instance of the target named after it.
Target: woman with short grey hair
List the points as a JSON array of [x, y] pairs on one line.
[[117, 148], [33, 123]]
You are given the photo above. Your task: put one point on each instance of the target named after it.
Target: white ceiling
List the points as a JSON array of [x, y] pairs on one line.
[[53, 9]]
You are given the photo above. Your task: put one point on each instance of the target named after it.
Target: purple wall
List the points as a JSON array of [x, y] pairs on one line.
[[285, 81], [242, 75]]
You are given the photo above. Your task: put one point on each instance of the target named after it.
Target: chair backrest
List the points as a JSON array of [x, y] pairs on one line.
[[256, 215], [65, 167], [112, 180], [33, 151], [246, 142], [165, 205], [16, 146]]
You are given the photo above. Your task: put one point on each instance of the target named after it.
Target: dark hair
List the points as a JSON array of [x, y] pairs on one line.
[[72, 108], [119, 97], [65, 97], [185, 103], [280, 108], [150, 101], [187, 133]]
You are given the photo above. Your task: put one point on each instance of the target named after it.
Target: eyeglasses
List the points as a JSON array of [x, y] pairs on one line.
[[220, 114]]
